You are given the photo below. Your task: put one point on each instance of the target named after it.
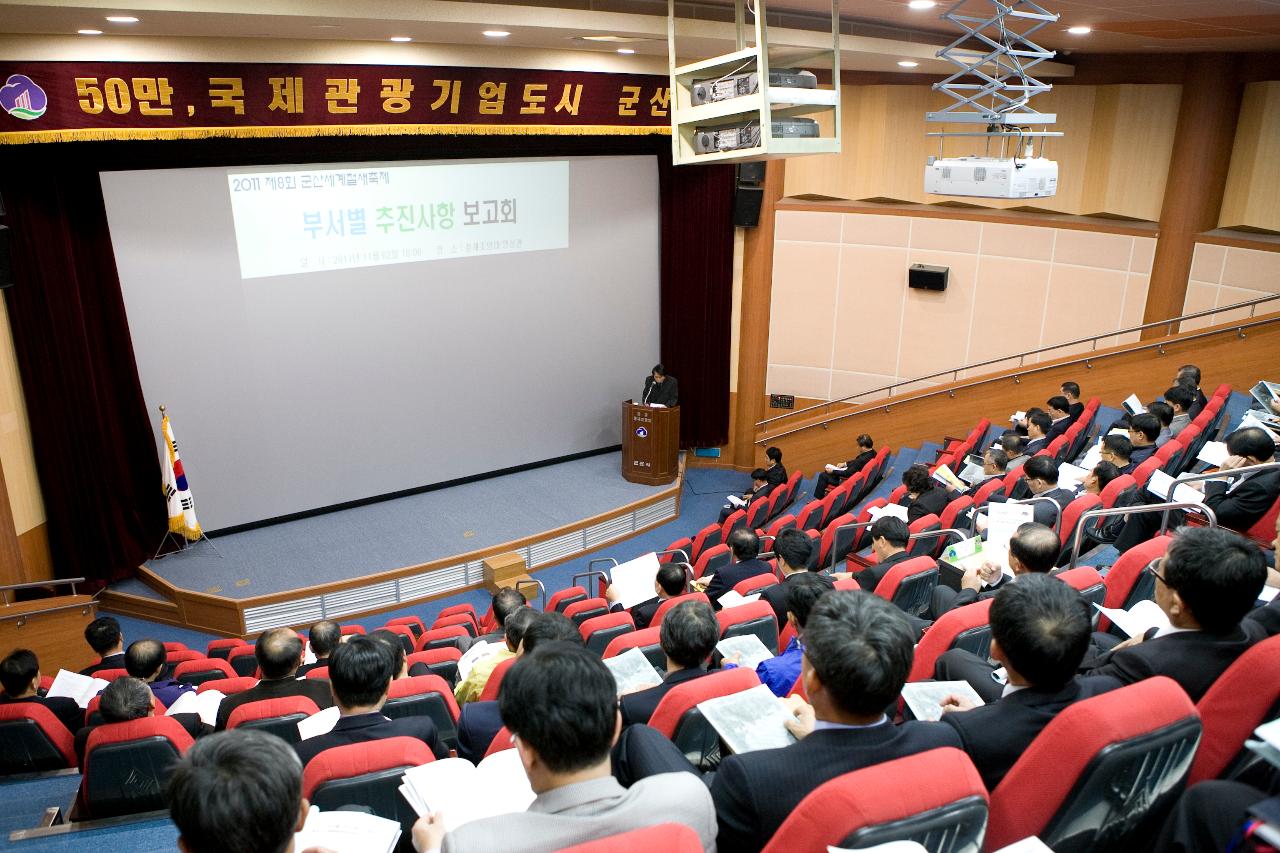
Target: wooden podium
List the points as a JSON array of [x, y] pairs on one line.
[[650, 444]]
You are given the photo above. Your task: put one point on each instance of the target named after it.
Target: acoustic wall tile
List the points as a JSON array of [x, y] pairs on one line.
[[1144, 253], [1093, 249], [1135, 300], [1252, 269], [1017, 241], [935, 325], [873, 284], [1008, 308], [870, 229], [945, 235], [1083, 301], [1206, 262], [1201, 296], [846, 384], [808, 225], [1234, 295], [802, 313], [800, 381]]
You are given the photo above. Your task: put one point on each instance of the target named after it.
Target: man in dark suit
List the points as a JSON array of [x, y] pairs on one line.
[[1041, 478], [669, 583], [837, 474], [144, 659], [688, 636], [889, 537], [104, 637], [794, 549], [479, 722], [760, 489], [1060, 417], [745, 546], [1189, 375], [995, 463], [1117, 449], [1238, 504], [775, 473], [20, 677], [660, 389], [1038, 426], [1144, 430], [1075, 408], [360, 673], [323, 637], [1033, 549], [279, 654], [1039, 632]]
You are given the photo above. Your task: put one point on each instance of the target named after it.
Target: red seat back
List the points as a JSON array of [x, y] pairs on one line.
[[1126, 573], [455, 609], [707, 537], [428, 696], [349, 630], [909, 584], [1243, 697], [953, 805], [243, 660], [1111, 491], [987, 489], [647, 640], [365, 774], [1264, 529], [562, 598], [837, 543], [494, 684], [666, 837], [201, 670], [1143, 472], [1070, 518], [599, 631], [228, 686], [925, 547], [279, 716], [413, 623], [442, 662], [736, 519], [947, 520], [405, 633], [754, 584], [672, 602], [111, 674], [220, 648], [127, 765], [962, 627], [810, 517], [1099, 769], [779, 524], [450, 635], [756, 618], [34, 740], [320, 673], [465, 620], [587, 608], [712, 560], [502, 740], [1086, 581], [180, 655], [669, 716], [788, 632]]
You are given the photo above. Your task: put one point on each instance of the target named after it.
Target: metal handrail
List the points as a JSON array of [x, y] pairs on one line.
[[1135, 510], [84, 606], [7, 588], [1021, 356], [682, 552], [596, 573], [1228, 473], [535, 582], [862, 410]]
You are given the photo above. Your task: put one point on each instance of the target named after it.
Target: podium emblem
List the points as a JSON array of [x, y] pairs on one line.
[[641, 432]]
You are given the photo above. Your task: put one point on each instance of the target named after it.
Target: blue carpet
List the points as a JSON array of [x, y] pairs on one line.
[[152, 836], [25, 802]]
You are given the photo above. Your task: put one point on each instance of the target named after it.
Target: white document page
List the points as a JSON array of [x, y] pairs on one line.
[[205, 704], [924, 698], [733, 599], [347, 832], [632, 671], [319, 723], [750, 720], [1214, 453], [1139, 619], [465, 792], [752, 652], [1003, 520], [73, 685], [633, 580], [894, 510]]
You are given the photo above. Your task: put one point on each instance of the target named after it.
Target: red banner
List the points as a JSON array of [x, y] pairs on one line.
[[65, 101]]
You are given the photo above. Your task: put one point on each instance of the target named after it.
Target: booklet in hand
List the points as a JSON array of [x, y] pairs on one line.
[[205, 704], [925, 698], [633, 580], [1139, 619], [347, 832], [750, 720], [73, 685], [733, 598], [319, 723], [464, 792], [748, 647], [632, 671]]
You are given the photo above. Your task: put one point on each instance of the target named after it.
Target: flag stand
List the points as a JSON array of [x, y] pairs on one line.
[[183, 543], [181, 509]]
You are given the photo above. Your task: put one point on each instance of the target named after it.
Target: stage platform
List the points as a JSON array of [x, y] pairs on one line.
[[396, 552]]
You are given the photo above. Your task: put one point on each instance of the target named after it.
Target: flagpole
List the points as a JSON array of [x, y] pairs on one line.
[[180, 538]]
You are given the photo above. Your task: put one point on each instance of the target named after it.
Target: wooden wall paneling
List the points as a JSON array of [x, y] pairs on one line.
[[37, 560], [25, 499], [1250, 199], [1224, 354], [1129, 149], [53, 628], [10, 554]]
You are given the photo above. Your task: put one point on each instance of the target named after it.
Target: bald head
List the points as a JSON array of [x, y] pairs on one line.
[[144, 659], [279, 653], [1035, 547]]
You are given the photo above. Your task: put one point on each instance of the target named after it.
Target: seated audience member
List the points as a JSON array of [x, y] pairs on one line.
[[505, 602], [794, 549], [1098, 478], [1038, 426], [323, 638], [1213, 815], [1015, 448], [837, 474], [775, 473], [1206, 584], [1164, 414], [104, 637], [1059, 417], [745, 547], [857, 653], [760, 489], [145, 659], [1039, 633], [925, 495], [688, 635], [512, 632], [122, 700], [396, 645], [780, 673], [1020, 427], [1144, 429], [508, 605], [1180, 398], [1189, 376], [279, 654], [669, 583], [360, 673], [560, 705], [1237, 504], [1075, 408], [889, 538], [995, 463], [1118, 450], [479, 722], [1041, 475], [1033, 549], [237, 792], [20, 677]]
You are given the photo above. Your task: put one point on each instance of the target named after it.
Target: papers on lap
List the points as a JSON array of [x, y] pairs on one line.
[[752, 652], [1214, 453], [632, 671], [1133, 405], [465, 792], [924, 698], [947, 477], [205, 704], [1139, 619], [347, 832], [73, 685], [1167, 488], [633, 580], [895, 510], [319, 723], [733, 599], [750, 720], [735, 501]]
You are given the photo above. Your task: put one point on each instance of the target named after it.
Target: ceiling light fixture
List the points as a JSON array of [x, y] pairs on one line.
[[122, 19], [89, 32], [401, 38], [496, 34], [921, 4], [907, 63], [626, 50], [1079, 31]]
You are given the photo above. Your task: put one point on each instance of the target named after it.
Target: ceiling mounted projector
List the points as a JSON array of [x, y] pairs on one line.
[[991, 177]]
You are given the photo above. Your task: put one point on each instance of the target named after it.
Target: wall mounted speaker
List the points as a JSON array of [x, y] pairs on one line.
[[925, 277]]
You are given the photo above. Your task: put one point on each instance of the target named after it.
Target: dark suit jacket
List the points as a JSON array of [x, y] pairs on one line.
[[1043, 513], [666, 394], [856, 464], [478, 724], [66, 710], [727, 577], [1198, 405], [996, 735], [1076, 410], [1141, 454], [315, 690], [363, 728], [109, 662], [969, 596], [775, 475], [776, 595], [755, 792], [638, 707], [307, 667], [1247, 503], [932, 502], [1194, 659], [1057, 429], [642, 613], [870, 577], [1267, 616], [1035, 445]]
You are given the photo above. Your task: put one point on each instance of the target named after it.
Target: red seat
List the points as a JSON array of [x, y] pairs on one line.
[[947, 521], [320, 673], [1243, 697], [988, 489], [464, 620], [1070, 520], [501, 741], [494, 683], [366, 774], [587, 608], [779, 524], [1111, 491], [34, 740], [838, 540], [279, 716], [1086, 581], [199, 671], [754, 584], [599, 631], [349, 630], [455, 609], [92, 717], [948, 813], [965, 627], [413, 623], [242, 660], [221, 648], [678, 717], [1264, 529], [174, 646], [810, 516], [1100, 771], [854, 487], [736, 519], [929, 546], [758, 512], [755, 618], [712, 560], [909, 584], [228, 686], [666, 837], [560, 599], [111, 674], [425, 696], [450, 635], [127, 765], [646, 640], [1143, 472], [405, 633], [847, 583], [672, 602], [1126, 582], [788, 632], [178, 656], [684, 545], [441, 662]]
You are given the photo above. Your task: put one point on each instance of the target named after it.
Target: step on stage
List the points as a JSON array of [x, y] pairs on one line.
[[393, 553]]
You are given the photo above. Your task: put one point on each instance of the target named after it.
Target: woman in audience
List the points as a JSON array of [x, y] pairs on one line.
[[924, 496]]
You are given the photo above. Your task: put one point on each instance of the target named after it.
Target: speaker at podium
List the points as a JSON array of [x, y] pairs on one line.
[[650, 443]]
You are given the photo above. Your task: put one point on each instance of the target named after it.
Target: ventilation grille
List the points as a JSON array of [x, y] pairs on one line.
[[663, 511], [360, 598], [301, 612], [607, 531], [433, 583], [541, 553]]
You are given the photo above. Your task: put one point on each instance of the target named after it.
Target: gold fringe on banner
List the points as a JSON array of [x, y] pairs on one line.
[[259, 131]]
